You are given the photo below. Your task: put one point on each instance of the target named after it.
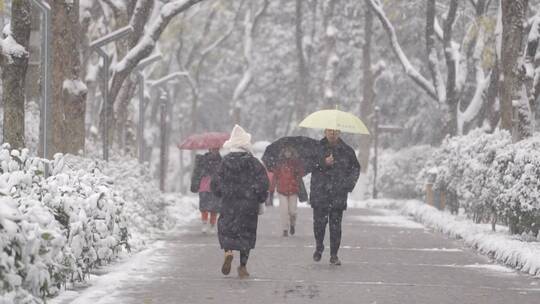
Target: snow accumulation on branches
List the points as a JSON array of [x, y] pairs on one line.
[[9, 48], [74, 87], [407, 66], [147, 43], [153, 32], [56, 231]]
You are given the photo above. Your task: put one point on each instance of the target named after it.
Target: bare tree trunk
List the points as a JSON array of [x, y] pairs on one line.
[[368, 102], [14, 63], [513, 19], [137, 16], [332, 59], [302, 90], [251, 22], [69, 92], [451, 98]]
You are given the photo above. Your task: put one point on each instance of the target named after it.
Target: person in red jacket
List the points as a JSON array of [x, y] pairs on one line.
[[287, 175]]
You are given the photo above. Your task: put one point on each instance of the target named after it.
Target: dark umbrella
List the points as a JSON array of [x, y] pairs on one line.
[[307, 150], [204, 141]]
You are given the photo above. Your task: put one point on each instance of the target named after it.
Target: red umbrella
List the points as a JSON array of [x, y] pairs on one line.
[[204, 141]]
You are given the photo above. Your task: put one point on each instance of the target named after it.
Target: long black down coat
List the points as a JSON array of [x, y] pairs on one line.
[[242, 183], [330, 185]]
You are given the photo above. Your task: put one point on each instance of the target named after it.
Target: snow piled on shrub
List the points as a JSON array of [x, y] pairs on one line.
[[55, 231], [493, 178], [503, 248], [398, 172]]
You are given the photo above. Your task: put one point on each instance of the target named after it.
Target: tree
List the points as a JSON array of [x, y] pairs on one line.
[[513, 16], [68, 90], [367, 104], [302, 90], [460, 112], [14, 63], [251, 21], [146, 43], [332, 58]]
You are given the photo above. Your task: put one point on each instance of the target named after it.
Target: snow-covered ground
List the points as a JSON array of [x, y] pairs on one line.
[[502, 247]]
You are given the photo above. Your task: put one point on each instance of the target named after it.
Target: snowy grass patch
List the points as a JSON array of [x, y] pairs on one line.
[[502, 247]]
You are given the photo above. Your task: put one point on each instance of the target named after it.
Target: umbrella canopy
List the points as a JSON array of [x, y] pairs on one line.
[[306, 148], [203, 141], [335, 120]]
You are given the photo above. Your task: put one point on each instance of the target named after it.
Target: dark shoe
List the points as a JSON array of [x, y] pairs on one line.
[[334, 260], [242, 272], [285, 233], [292, 230], [317, 256], [226, 268]]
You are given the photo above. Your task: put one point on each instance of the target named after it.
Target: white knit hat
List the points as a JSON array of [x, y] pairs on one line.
[[240, 140]]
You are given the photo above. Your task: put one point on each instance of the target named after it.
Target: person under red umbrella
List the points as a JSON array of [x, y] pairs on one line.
[[209, 205], [205, 167]]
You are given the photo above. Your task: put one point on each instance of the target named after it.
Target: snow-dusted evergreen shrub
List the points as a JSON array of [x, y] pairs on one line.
[[56, 230], [520, 200], [146, 207], [493, 178], [398, 171]]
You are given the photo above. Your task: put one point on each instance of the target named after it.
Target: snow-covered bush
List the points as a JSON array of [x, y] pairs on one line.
[[493, 178], [146, 207], [57, 230], [398, 171], [519, 203]]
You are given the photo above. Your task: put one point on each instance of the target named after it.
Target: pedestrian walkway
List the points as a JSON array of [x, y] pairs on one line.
[[386, 259]]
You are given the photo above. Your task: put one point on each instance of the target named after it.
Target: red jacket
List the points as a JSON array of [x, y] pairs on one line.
[[286, 176]]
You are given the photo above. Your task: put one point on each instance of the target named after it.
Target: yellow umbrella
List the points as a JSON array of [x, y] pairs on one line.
[[335, 120]]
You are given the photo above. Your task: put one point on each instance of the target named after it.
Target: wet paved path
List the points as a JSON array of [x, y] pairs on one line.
[[386, 259]]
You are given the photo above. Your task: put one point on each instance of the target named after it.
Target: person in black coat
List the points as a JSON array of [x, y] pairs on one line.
[[209, 205], [334, 176], [242, 183]]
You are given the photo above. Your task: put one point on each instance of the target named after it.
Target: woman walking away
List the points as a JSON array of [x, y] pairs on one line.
[[288, 173], [242, 183], [209, 205]]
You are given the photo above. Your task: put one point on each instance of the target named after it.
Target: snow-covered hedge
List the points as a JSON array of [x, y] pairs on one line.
[[493, 178], [56, 230], [398, 172]]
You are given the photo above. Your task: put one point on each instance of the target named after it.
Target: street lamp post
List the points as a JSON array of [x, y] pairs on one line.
[[375, 149], [97, 46], [164, 105], [140, 79], [46, 76]]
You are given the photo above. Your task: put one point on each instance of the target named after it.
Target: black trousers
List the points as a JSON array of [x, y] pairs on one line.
[[321, 216]]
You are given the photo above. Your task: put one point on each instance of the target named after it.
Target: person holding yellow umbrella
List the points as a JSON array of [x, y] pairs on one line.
[[334, 176]]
